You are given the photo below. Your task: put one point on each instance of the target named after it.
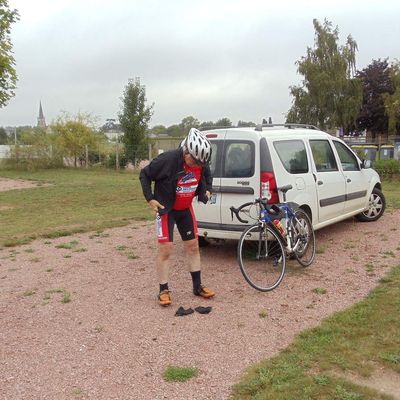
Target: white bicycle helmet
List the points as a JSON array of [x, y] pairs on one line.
[[198, 146]]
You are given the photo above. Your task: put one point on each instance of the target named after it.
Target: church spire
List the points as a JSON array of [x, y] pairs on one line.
[[41, 121]]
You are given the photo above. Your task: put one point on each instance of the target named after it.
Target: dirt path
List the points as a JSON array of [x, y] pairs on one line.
[[112, 341], [10, 184]]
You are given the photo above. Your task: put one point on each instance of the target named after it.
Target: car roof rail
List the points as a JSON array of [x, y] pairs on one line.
[[289, 126]]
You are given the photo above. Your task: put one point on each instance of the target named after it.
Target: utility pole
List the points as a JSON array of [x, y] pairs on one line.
[[87, 155], [117, 153]]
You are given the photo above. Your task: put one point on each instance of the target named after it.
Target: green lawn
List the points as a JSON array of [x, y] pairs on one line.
[[391, 190], [74, 201], [362, 339]]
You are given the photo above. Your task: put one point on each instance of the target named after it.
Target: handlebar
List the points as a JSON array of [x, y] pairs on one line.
[[236, 211], [271, 209]]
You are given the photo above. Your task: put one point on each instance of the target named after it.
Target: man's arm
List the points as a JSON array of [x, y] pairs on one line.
[[145, 181], [154, 171], [209, 179]]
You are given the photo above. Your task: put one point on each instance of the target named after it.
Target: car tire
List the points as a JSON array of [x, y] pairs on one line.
[[376, 207]]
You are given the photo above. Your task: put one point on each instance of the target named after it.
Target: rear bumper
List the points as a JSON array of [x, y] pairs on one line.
[[220, 231]]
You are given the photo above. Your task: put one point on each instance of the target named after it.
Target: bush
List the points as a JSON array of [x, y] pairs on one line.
[[388, 167], [122, 158], [32, 157]]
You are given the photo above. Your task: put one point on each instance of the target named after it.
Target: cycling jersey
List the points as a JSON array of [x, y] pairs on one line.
[[165, 170], [186, 187]]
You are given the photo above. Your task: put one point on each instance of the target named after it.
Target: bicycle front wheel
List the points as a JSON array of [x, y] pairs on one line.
[[262, 258], [304, 238]]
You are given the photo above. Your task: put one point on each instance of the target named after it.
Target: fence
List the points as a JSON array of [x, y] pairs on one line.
[[110, 155]]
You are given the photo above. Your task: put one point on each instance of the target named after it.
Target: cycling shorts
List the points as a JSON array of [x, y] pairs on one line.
[[185, 221]]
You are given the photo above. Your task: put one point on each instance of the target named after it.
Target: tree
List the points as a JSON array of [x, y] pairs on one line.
[[207, 125], [134, 118], [176, 130], [74, 133], [376, 83], [3, 136], [245, 124], [330, 95], [223, 123], [8, 75], [190, 122], [392, 101], [158, 130]]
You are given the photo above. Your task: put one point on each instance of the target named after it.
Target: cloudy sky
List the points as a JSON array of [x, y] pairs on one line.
[[206, 58]]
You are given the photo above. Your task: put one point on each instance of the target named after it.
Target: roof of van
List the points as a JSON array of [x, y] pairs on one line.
[[273, 132]]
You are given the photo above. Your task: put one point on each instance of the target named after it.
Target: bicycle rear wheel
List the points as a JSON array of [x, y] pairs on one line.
[[261, 257], [303, 233]]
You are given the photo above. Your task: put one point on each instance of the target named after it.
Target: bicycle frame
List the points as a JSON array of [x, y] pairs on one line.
[[288, 213], [267, 217]]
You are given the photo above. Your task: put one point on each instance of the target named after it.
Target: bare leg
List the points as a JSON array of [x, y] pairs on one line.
[[164, 252], [192, 254]]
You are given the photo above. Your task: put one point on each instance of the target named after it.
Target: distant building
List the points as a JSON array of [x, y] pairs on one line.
[[112, 130], [41, 122]]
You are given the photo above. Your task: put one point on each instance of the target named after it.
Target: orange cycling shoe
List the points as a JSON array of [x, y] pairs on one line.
[[164, 298], [204, 292]]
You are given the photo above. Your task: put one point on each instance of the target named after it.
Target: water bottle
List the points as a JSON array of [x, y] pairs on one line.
[[278, 224]]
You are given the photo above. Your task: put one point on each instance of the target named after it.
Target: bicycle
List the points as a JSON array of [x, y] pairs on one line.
[[263, 247]]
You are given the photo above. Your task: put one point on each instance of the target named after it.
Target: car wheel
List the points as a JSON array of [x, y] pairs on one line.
[[376, 207]]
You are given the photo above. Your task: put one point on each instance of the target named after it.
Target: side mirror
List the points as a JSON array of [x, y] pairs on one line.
[[366, 164]]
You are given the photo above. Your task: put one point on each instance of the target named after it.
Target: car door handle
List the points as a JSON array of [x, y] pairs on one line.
[[348, 180], [320, 183]]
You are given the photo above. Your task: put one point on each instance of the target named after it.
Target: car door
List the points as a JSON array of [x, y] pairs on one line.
[[210, 213], [330, 181], [240, 180], [356, 179]]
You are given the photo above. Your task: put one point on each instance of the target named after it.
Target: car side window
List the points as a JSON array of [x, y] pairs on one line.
[[293, 156], [347, 159], [324, 158], [238, 161]]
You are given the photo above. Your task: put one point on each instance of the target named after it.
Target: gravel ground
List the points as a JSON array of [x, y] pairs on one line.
[[113, 341], [9, 184]]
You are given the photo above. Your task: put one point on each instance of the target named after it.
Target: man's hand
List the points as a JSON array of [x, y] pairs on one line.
[[155, 205], [208, 194]]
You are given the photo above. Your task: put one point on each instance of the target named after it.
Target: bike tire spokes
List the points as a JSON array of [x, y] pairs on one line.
[[261, 258], [304, 238]]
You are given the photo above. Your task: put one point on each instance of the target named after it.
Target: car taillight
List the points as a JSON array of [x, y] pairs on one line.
[[268, 187]]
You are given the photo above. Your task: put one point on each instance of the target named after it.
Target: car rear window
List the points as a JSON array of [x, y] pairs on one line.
[[238, 160], [293, 156]]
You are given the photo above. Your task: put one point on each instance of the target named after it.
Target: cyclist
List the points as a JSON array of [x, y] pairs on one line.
[[179, 176]]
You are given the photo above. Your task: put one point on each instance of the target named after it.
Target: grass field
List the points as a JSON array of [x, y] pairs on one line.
[[362, 339], [83, 200], [391, 190], [73, 201]]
